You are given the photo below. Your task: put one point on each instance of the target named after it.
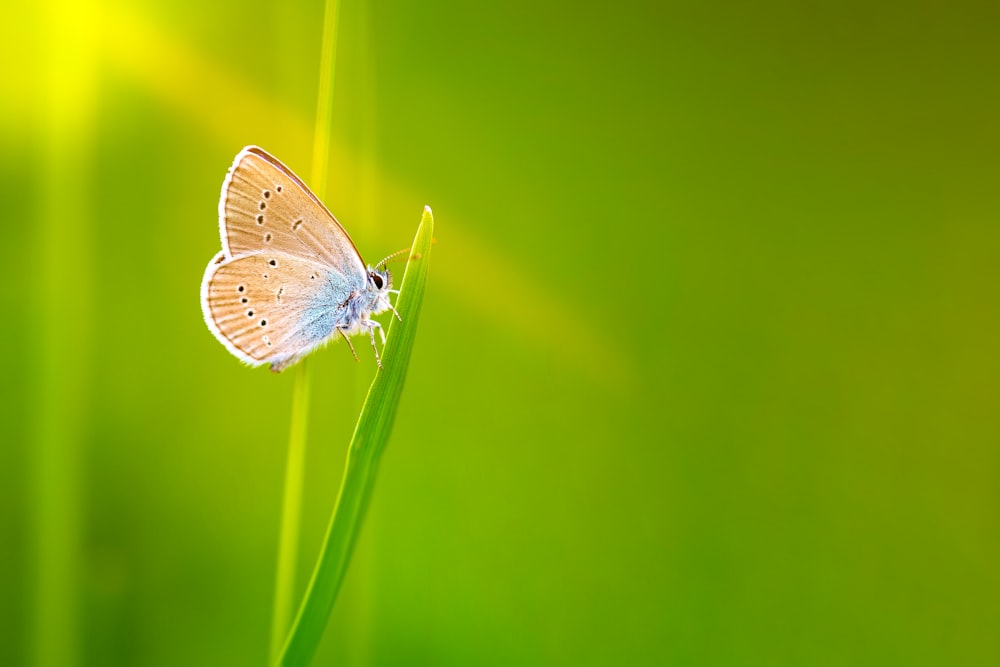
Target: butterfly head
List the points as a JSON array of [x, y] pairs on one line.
[[379, 287]]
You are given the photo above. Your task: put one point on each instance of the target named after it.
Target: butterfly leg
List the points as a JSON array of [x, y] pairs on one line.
[[396, 313], [381, 332], [349, 343], [371, 332]]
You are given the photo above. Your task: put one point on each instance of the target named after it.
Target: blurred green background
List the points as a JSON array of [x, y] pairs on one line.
[[706, 372]]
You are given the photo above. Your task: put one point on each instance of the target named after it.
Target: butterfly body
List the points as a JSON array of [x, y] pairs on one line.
[[288, 278]]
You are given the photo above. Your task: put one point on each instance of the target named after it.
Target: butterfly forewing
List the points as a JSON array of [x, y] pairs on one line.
[[270, 306], [265, 207]]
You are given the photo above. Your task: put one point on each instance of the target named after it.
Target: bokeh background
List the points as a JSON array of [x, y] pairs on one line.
[[706, 372]]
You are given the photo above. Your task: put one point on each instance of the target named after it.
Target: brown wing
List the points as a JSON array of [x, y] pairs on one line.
[[265, 207], [266, 307]]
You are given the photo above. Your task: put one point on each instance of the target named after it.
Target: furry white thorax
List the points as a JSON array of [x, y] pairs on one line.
[[356, 316]]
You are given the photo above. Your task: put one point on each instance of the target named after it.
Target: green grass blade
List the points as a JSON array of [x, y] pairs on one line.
[[291, 511], [288, 539], [370, 437]]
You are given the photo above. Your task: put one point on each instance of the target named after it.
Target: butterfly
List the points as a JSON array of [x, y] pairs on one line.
[[289, 279]]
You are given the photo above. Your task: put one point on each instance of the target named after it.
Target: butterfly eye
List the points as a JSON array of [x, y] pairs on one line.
[[377, 279]]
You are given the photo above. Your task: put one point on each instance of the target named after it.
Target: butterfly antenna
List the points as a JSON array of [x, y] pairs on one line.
[[393, 256], [404, 251]]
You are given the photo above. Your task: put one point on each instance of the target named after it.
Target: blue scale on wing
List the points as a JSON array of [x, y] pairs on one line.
[[273, 306]]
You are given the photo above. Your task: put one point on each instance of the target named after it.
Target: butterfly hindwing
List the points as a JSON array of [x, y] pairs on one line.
[[270, 306]]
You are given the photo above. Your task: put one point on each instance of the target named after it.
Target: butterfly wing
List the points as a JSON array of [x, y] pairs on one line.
[[270, 306], [265, 207]]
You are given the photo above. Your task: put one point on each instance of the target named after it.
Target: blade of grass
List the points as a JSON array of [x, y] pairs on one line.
[[371, 433], [324, 98], [62, 380], [291, 510], [288, 538]]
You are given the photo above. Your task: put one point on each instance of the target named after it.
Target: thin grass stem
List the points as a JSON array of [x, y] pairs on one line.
[[324, 100], [288, 540], [291, 511], [64, 309]]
